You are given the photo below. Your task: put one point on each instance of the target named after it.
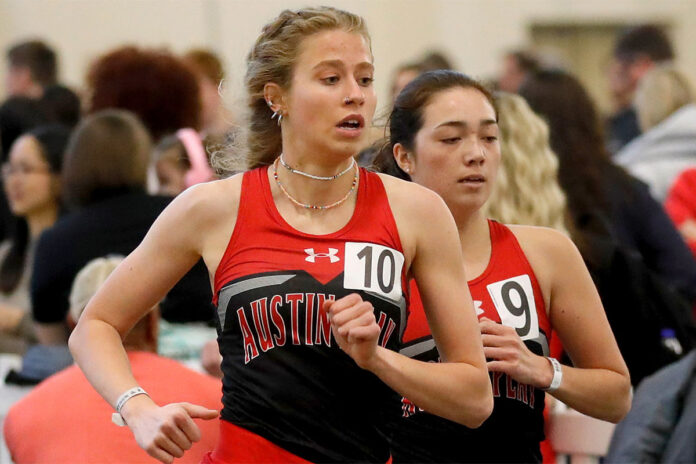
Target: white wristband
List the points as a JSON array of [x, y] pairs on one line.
[[116, 417], [557, 375]]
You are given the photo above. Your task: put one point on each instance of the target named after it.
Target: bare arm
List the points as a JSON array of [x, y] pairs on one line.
[[172, 246], [599, 384], [458, 388]]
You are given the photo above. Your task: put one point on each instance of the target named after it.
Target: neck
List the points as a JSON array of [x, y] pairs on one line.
[[475, 241], [41, 220], [313, 191]]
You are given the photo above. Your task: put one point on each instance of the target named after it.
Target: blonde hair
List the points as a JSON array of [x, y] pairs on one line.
[[527, 190], [661, 92], [88, 281], [272, 59]]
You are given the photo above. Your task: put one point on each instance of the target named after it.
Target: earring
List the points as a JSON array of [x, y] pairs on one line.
[[275, 114], [280, 118]]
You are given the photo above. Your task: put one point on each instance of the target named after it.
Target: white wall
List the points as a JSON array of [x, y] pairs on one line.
[[474, 33]]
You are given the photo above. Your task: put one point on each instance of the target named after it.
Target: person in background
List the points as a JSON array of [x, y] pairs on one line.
[[93, 439], [526, 282], [602, 197], [60, 105], [31, 67], [31, 178], [216, 119], [515, 68], [110, 212], [154, 85], [666, 106], [18, 115], [180, 161], [637, 50]]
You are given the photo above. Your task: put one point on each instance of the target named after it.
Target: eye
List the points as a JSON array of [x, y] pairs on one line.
[[451, 140], [330, 80], [366, 81], [490, 138]]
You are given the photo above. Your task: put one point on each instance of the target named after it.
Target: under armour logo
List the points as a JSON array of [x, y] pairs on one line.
[[313, 256]]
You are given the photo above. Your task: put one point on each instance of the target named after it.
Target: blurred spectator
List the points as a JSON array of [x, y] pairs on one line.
[[18, 115], [215, 118], [181, 161], [405, 73], [171, 163], [516, 66], [666, 106], [434, 60], [91, 437], [602, 198], [158, 87], [32, 183], [662, 422], [61, 105], [104, 181], [32, 66], [637, 50]]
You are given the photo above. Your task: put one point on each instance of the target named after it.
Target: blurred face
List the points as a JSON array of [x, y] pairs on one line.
[[18, 82], [511, 76], [457, 152], [402, 80], [30, 186], [171, 178], [330, 104], [621, 82]]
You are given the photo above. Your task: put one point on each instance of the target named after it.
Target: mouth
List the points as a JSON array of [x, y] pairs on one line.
[[472, 179], [352, 122]]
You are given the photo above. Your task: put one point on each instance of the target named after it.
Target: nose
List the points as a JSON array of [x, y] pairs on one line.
[[474, 153], [356, 95]]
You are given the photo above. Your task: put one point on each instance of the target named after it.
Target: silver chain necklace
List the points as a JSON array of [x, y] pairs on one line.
[[312, 176]]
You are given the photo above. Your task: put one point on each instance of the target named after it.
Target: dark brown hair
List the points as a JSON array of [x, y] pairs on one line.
[[646, 40], [577, 138], [38, 57], [108, 153], [406, 118], [158, 87]]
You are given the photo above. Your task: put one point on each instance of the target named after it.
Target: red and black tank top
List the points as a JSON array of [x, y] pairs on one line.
[[285, 378], [506, 292]]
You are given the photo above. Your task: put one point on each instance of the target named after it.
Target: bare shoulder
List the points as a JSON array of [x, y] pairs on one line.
[[203, 209], [535, 239], [552, 255], [410, 197], [421, 215]]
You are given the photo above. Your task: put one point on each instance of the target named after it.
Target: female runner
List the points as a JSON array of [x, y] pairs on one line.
[[526, 282], [309, 257]]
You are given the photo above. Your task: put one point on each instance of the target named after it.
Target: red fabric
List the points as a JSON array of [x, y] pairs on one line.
[[285, 247], [681, 201], [238, 445], [64, 420], [507, 260]]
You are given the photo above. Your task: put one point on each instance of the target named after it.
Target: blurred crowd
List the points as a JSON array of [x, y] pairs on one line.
[[86, 173]]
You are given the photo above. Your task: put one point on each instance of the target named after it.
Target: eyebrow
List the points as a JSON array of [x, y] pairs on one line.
[[483, 122], [341, 64]]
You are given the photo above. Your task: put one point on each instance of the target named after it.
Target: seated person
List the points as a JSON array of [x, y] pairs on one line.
[[32, 183], [74, 423], [111, 213]]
